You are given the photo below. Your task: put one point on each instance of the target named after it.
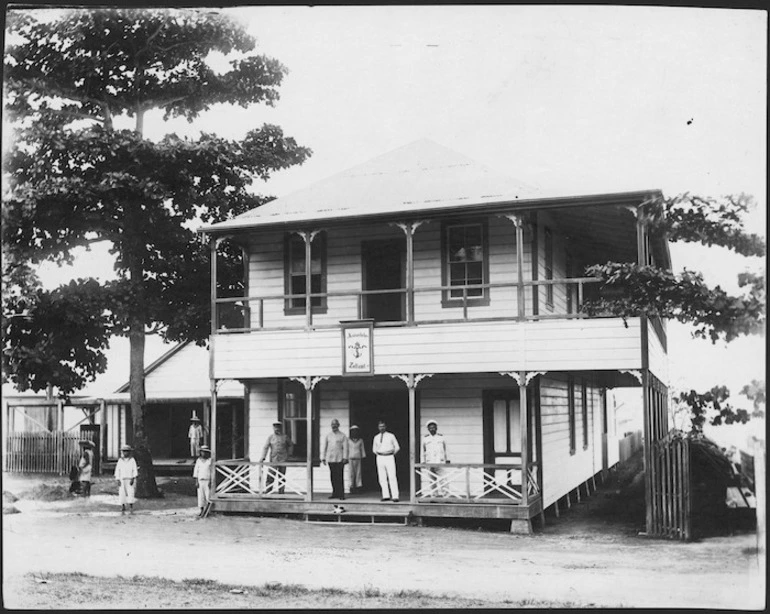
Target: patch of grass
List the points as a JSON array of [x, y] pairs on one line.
[[199, 582], [78, 591]]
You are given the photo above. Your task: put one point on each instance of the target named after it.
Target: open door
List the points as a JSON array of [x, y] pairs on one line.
[[383, 269], [367, 408]]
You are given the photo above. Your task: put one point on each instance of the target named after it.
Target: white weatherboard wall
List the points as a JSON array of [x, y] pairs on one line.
[[185, 374], [562, 471], [555, 345], [344, 272]]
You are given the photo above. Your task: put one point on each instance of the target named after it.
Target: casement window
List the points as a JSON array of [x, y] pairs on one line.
[[548, 247], [465, 263], [295, 274], [584, 411], [571, 412], [292, 412]]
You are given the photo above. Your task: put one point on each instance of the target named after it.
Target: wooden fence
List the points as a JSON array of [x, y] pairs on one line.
[[670, 496], [41, 452], [630, 444]]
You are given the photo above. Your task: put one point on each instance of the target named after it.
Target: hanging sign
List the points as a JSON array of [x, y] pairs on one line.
[[357, 351]]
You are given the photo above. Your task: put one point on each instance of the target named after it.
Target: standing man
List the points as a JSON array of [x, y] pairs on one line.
[[202, 475], [335, 454], [281, 448], [195, 434], [434, 451], [125, 473], [356, 452], [385, 447]]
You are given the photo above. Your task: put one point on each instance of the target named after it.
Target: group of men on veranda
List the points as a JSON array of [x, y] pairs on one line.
[[339, 450]]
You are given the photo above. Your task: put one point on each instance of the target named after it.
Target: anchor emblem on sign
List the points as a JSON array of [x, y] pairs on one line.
[[357, 348]]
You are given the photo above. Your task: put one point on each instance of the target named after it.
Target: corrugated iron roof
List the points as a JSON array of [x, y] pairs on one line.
[[422, 175]]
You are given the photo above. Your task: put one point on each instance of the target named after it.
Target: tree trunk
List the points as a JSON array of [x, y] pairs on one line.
[[145, 483]]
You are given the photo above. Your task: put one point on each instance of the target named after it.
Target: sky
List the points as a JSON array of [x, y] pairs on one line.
[[578, 99]]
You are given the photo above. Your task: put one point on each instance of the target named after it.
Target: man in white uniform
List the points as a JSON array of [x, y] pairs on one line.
[[434, 451], [385, 447], [202, 475]]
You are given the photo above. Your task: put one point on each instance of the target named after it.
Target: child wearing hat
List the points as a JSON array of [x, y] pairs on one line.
[[356, 452], [85, 466], [125, 473], [202, 475]]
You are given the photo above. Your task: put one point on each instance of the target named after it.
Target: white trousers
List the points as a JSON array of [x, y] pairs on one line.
[[126, 493], [203, 493], [355, 472], [386, 472]]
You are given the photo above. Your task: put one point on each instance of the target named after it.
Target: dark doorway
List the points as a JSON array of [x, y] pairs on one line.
[[367, 408], [383, 269]]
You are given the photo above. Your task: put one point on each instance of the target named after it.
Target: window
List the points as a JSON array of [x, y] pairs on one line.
[[506, 426], [584, 410], [292, 412], [294, 259], [464, 263], [548, 246], [571, 412]]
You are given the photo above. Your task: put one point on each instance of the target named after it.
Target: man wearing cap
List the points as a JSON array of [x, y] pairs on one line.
[[195, 434], [85, 466], [202, 475], [385, 447], [335, 454], [125, 473], [281, 448], [434, 452], [356, 452]]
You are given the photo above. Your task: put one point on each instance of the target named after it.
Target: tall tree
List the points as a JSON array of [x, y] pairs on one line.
[[76, 178]]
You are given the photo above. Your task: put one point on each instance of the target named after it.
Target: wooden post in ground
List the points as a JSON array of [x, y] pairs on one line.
[[577, 493], [556, 508]]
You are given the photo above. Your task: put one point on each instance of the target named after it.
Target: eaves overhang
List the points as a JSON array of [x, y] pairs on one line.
[[239, 226]]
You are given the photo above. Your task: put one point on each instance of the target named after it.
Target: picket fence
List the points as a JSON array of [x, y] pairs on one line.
[[41, 452]]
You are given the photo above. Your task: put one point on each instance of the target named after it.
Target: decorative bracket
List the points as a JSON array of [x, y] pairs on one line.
[[635, 373], [409, 228], [532, 374], [528, 376], [512, 374], [308, 236], [308, 382], [412, 380]]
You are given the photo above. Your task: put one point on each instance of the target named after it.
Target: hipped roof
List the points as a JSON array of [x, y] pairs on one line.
[[420, 176], [425, 178]]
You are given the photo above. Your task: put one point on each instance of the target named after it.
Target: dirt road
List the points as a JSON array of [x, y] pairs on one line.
[[584, 568]]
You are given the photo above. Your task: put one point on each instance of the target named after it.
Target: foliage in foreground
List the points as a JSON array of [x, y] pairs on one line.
[[630, 290]]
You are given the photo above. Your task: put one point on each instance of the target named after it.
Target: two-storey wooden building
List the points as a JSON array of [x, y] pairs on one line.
[[418, 286]]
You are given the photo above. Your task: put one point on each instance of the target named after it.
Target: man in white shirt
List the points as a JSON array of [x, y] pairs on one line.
[[434, 451], [385, 447], [202, 475]]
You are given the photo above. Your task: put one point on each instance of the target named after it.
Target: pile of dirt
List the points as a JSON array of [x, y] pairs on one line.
[[8, 503]]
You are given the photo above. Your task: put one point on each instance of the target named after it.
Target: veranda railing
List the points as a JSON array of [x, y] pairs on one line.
[[246, 314], [475, 483]]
